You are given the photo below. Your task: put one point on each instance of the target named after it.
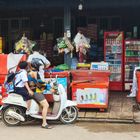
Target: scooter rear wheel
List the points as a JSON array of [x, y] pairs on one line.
[[9, 120], [69, 115]]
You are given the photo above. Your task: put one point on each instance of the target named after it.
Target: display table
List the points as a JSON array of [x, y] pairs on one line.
[[90, 88]]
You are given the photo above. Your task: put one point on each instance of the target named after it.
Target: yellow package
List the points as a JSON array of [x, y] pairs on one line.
[[39, 90]]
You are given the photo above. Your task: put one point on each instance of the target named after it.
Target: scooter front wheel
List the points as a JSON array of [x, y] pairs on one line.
[[9, 120], [69, 115]]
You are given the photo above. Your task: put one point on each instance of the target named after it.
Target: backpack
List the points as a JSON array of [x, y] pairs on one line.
[[10, 77], [10, 81], [36, 63]]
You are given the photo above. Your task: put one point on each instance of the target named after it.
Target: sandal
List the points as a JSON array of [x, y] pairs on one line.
[[47, 127]]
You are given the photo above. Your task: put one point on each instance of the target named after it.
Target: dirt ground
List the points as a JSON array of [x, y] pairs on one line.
[[77, 131]]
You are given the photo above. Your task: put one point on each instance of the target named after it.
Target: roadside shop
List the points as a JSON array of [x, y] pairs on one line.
[[112, 37]]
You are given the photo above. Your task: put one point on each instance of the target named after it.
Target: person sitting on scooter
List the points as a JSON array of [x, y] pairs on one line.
[[33, 77], [21, 83]]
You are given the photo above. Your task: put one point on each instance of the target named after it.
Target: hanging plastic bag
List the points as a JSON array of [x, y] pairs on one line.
[[24, 46]]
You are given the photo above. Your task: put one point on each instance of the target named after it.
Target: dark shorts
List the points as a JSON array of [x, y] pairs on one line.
[[23, 92], [38, 97]]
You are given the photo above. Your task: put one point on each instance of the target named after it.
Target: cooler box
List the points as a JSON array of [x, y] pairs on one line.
[[90, 94], [90, 74], [90, 89]]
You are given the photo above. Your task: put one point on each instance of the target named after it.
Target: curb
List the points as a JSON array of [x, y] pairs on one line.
[[107, 120]]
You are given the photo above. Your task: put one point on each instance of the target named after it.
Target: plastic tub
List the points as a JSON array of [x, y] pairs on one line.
[[138, 82]]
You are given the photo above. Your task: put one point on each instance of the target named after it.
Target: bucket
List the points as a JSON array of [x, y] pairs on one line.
[[138, 83], [138, 96]]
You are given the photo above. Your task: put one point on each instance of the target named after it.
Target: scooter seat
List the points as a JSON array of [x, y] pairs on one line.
[[15, 95], [15, 99]]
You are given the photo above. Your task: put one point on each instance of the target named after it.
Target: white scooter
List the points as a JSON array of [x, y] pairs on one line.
[[14, 109]]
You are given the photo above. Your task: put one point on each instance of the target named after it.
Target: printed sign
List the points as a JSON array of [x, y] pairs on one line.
[[62, 81], [95, 96]]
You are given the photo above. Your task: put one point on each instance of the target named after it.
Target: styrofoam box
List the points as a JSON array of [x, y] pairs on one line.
[[99, 66]]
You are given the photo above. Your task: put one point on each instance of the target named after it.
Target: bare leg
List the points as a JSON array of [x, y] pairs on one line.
[[45, 106], [28, 105], [0, 97]]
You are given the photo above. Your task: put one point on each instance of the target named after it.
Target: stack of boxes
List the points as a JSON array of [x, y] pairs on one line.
[[46, 46], [90, 31]]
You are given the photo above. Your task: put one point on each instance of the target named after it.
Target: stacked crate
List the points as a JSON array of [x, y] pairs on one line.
[[49, 50], [83, 30], [90, 31], [42, 44], [46, 46]]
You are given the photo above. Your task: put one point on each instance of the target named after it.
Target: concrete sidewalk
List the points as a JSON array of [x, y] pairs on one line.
[[120, 109]]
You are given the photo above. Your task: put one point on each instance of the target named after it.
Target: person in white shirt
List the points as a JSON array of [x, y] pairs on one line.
[[22, 88], [21, 83], [42, 60]]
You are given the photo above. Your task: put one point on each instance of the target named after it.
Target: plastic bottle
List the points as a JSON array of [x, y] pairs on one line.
[[74, 63]]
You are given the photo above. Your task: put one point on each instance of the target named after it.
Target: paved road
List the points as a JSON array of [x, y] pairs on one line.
[[78, 131]]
